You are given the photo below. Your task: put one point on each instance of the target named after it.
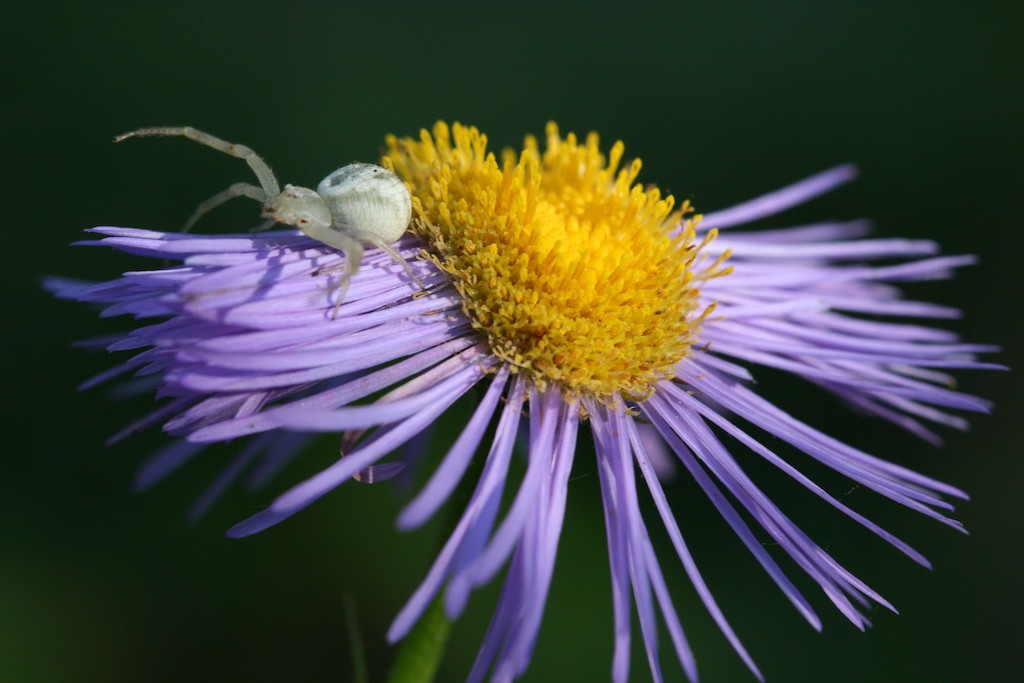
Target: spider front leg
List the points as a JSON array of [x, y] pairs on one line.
[[237, 190], [263, 173]]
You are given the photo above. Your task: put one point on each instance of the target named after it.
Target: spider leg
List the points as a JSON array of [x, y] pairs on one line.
[[264, 226], [236, 190], [352, 248], [266, 177], [396, 257]]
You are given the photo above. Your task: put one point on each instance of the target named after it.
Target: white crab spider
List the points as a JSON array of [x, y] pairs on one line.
[[357, 204]]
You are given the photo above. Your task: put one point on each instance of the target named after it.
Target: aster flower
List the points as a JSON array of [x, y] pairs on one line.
[[572, 296]]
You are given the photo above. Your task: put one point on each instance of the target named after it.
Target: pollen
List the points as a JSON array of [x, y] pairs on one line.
[[572, 272]]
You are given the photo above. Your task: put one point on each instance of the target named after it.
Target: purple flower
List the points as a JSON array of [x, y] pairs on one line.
[[572, 297]]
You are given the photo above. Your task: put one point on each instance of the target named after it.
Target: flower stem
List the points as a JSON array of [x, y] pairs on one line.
[[360, 673], [420, 652]]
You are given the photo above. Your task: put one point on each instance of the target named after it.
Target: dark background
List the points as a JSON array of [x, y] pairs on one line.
[[722, 103]]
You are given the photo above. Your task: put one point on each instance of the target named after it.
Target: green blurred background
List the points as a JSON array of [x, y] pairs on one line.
[[722, 102]]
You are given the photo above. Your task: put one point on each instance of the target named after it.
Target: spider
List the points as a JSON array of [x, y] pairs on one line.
[[355, 205]]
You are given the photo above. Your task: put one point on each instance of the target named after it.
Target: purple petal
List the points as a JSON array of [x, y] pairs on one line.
[[780, 200], [488, 489], [306, 493], [449, 473]]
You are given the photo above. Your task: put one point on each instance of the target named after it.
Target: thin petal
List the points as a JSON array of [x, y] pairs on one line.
[[780, 200]]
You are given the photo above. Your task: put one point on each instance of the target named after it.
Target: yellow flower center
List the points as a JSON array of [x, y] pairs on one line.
[[570, 271]]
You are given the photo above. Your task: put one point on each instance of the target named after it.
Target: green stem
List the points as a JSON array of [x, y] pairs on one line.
[[360, 673], [420, 652]]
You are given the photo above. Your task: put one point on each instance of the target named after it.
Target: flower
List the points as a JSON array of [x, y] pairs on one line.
[[569, 292]]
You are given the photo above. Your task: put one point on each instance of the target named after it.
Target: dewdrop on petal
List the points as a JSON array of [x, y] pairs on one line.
[[356, 204]]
